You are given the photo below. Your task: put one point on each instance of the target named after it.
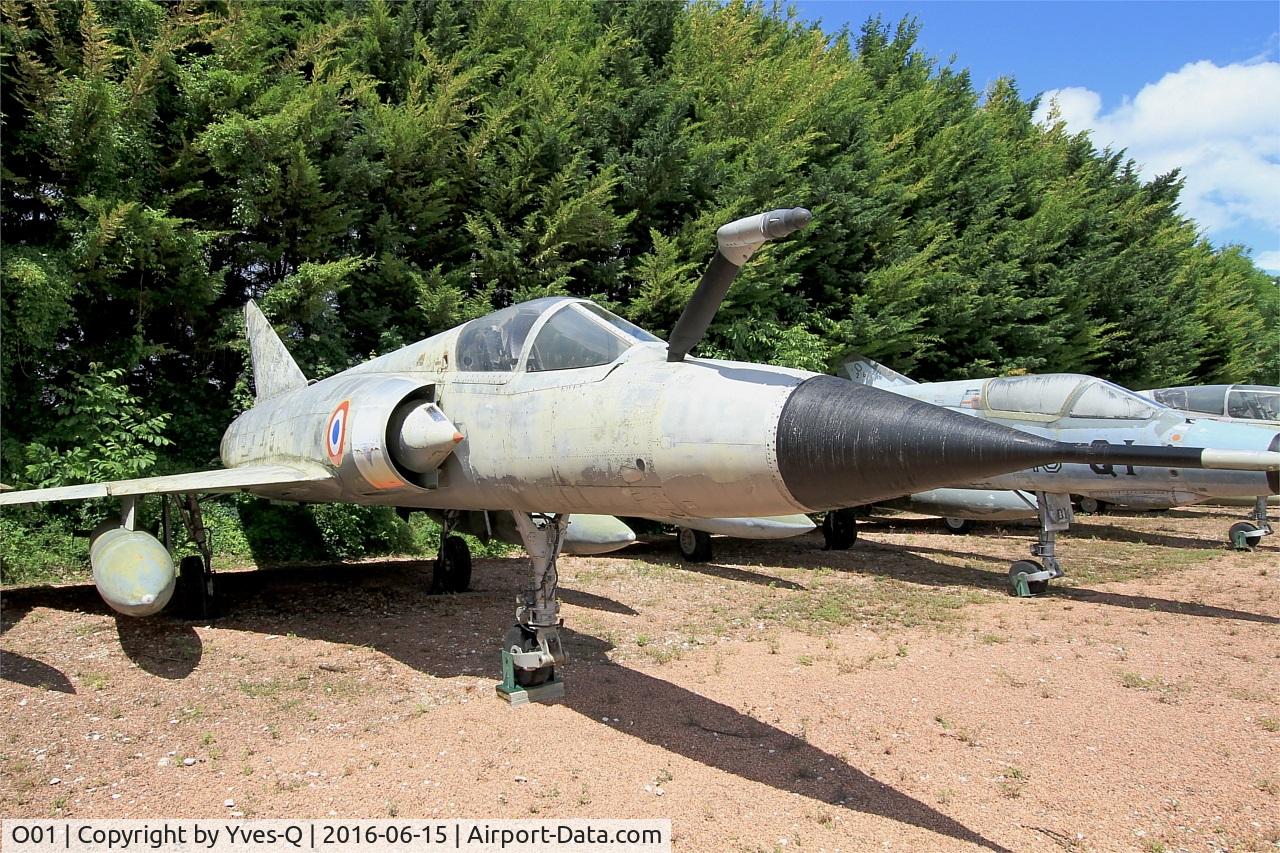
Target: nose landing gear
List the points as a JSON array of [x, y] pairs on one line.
[[532, 649], [1029, 578], [1247, 535]]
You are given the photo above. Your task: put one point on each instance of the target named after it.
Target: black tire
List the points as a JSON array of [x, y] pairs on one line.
[[1242, 528], [189, 592], [453, 566], [694, 545], [1092, 506], [958, 526], [527, 642], [1030, 567], [840, 529]]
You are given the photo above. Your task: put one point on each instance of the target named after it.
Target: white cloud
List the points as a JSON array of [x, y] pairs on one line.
[[1269, 261], [1219, 124]]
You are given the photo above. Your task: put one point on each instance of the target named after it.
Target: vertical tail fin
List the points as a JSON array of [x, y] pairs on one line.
[[864, 371], [274, 370]]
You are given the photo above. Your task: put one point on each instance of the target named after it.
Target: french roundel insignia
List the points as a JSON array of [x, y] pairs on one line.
[[335, 433]]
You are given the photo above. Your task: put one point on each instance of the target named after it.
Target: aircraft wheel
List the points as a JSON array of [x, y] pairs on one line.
[[453, 566], [527, 642], [958, 525], [1239, 537], [840, 529], [1093, 506], [189, 592], [694, 545], [1028, 567]]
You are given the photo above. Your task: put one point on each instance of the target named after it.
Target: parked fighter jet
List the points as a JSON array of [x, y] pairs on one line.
[[1255, 404], [1247, 404], [1072, 407], [557, 406]]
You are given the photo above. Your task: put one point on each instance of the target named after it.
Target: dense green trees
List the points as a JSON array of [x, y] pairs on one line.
[[373, 172]]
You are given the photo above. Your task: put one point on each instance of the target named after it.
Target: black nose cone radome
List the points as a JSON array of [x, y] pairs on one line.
[[843, 444]]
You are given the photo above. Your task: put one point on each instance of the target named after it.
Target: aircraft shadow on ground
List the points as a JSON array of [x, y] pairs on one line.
[[912, 567], [166, 648], [731, 573], [20, 669], [1143, 537], [659, 551], [385, 607], [868, 557], [714, 734], [1079, 528]]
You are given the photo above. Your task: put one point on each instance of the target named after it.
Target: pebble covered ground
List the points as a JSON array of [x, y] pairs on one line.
[[891, 697]]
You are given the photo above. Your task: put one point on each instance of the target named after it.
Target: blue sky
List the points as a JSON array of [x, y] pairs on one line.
[[1188, 84]]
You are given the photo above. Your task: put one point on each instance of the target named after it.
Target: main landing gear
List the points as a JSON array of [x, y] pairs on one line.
[[532, 648], [1028, 577], [840, 529], [958, 526], [694, 545], [193, 593], [1247, 535], [451, 571]]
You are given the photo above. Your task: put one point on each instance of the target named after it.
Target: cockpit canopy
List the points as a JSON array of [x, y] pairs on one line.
[[1249, 402], [1057, 395], [551, 333]]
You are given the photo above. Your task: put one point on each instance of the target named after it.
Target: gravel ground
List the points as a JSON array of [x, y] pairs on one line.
[[890, 697]]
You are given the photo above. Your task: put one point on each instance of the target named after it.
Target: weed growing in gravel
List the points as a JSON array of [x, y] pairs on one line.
[[1166, 692], [95, 680], [1270, 724], [1010, 679], [1013, 782], [1136, 682], [664, 654]]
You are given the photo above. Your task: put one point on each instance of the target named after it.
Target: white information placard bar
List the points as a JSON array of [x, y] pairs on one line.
[[578, 835]]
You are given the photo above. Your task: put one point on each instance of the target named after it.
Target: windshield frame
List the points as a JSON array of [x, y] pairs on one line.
[[1150, 408], [522, 364], [1254, 395]]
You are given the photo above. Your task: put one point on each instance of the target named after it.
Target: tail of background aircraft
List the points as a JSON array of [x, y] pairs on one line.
[[274, 370], [864, 371]]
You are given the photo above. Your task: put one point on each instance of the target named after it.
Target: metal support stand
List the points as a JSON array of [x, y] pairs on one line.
[[1028, 577], [532, 648]]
